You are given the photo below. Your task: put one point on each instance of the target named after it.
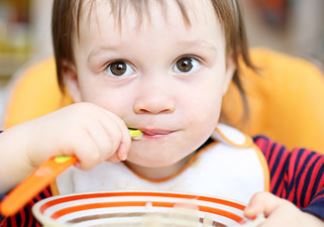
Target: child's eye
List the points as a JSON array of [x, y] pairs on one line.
[[119, 68], [186, 65]]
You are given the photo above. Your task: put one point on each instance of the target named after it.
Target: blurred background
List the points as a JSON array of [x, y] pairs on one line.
[[291, 26]]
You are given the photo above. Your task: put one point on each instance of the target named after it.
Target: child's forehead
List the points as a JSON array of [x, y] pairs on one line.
[[139, 14]]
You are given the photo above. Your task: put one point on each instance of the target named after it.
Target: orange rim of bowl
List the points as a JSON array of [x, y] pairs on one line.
[[88, 206]]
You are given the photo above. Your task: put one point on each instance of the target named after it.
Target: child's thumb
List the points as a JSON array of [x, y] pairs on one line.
[[261, 203]]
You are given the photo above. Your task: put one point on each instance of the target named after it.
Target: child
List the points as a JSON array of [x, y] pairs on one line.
[[161, 67]]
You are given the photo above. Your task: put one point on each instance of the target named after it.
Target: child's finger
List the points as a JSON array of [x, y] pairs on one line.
[[286, 214], [124, 140], [87, 153], [111, 139], [114, 158], [124, 146], [276, 219], [262, 203], [280, 218], [102, 139]]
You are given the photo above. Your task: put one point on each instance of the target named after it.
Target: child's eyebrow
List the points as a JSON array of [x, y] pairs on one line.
[[101, 49], [185, 44], [197, 44]]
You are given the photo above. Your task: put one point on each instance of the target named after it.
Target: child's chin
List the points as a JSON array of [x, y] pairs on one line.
[[160, 164], [152, 162]]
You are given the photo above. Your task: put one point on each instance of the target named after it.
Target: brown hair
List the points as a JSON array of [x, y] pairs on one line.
[[66, 16]]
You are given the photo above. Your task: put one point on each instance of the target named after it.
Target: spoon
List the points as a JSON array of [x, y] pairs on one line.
[[44, 175]]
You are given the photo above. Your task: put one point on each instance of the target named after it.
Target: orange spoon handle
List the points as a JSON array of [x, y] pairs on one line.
[[42, 177], [37, 181]]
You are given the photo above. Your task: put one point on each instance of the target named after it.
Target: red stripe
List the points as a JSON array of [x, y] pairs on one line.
[[23, 217], [3, 223], [13, 221], [291, 169], [30, 217], [269, 150], [281, 191], [47, 192], [315, 173], [260, 143], [33, 220], [275, 177], [294, 169], [265, 146], [284, 190], [302, 160], [271, 162], [274, 153], [302, 179]]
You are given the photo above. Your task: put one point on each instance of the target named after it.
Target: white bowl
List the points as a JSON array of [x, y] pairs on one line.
[[138, 208]]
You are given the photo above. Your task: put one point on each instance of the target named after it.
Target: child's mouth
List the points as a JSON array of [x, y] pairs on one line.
[[155, 133]]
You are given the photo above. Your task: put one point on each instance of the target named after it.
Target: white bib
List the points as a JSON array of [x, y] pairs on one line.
[[232, 168]]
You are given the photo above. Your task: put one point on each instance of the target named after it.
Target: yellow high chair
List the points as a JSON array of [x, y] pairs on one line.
[[286, 99]]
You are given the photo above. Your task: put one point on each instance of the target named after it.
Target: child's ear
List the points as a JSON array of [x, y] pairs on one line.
[[71, 82], [230, 69]]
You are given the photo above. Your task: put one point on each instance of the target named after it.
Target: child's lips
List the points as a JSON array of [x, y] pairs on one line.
[[154, 133]]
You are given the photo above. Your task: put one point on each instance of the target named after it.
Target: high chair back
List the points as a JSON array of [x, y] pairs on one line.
[[285, 99]]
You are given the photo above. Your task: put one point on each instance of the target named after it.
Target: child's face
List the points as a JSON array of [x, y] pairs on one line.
[[163, 77]]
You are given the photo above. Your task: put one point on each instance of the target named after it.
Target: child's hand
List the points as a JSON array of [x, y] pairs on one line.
[[279, 212], [87, 131]]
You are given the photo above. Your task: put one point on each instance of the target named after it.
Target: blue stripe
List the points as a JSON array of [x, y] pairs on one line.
[[293, 182], [300, 174], [281, 175], [258, 137], [321, 192], [317, 207], [318, 180], [277, 161], [273, 147], [264, 139], [18, 219], [306, 182]]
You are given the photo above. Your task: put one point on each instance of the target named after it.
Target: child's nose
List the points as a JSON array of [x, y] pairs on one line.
[[153, 104], [154, 100]]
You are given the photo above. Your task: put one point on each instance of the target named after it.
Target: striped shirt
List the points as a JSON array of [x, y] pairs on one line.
[[295, 175]]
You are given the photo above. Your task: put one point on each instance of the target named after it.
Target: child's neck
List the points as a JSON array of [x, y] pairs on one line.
[[161, 173]]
